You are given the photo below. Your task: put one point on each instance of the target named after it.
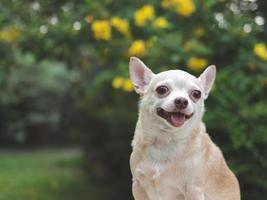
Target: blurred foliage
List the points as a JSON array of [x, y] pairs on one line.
[[64, 70], [28, 88]]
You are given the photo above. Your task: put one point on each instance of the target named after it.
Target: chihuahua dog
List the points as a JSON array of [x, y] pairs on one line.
[[173, 157]]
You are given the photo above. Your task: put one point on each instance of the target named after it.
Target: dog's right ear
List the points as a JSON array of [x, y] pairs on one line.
[[207, 79], [140, 75]]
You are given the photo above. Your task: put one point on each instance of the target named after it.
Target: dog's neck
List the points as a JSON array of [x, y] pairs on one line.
[[162, 142]]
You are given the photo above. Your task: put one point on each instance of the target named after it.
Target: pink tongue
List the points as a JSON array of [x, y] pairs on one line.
[[177, 119]]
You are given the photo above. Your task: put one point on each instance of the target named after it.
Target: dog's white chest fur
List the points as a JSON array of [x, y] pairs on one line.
[[158, 181], [164, 179]]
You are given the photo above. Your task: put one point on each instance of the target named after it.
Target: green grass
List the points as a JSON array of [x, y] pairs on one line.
[[43, 175]]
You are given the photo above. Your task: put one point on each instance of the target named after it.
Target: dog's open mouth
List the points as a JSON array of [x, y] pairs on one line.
[[176, 119]]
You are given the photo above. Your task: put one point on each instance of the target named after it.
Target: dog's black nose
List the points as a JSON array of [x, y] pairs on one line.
[[181, 103]]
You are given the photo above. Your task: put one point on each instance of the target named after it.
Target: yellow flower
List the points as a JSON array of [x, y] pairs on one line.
[[188, 46], [121, 25], [137, 48], [182, 7], [197, 64], [142, 15], [117, 82], [120, 82], [89, 18], [10, 33], [160, 22], [101, 30], [261, 51], [167, 4], [264, 81], [185, 7], [199, 31], [127, 86]]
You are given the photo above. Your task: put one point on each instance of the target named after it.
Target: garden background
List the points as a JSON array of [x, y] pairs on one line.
[[67, 107]]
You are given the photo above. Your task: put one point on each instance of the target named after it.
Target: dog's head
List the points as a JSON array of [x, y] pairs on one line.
[[173, 98]]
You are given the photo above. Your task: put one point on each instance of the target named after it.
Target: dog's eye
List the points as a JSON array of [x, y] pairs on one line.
[[196, 94], [162, 90]]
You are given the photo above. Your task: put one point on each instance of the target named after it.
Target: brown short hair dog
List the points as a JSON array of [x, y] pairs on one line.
[[173, 157]]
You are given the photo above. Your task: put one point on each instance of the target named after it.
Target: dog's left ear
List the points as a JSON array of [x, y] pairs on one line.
[[207, 79]]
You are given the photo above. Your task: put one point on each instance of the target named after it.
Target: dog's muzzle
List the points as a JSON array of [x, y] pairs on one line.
[[176, 119]]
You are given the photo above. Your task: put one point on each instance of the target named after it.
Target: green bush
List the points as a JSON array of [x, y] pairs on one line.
[[50, 44], [30, 98]]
